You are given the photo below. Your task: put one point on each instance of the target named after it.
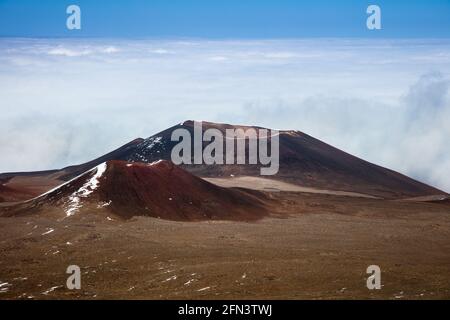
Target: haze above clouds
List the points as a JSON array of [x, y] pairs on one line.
[[64, 102]]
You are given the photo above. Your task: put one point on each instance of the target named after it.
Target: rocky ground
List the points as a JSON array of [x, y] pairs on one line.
[[313, 246]]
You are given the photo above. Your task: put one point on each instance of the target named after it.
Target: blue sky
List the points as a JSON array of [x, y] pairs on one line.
[[225, 19]]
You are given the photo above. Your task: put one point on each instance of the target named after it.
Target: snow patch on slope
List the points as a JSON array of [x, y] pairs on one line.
[[153, 141], [75, 198], [4, 287], [155, 162], [147, 149], [49, 230]]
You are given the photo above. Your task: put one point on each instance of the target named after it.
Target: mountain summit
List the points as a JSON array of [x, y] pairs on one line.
[[304, 161]]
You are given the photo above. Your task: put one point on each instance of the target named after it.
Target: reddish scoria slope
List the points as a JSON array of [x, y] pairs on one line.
[[158, 189], [20, 186], [10, 194]]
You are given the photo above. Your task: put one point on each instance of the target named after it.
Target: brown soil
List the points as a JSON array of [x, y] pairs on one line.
[[313, 246]]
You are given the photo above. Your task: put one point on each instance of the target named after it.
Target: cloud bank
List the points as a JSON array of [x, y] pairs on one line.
[[67, 101]]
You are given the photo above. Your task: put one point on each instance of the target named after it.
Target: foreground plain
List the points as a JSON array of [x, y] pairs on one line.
[[312, 246]]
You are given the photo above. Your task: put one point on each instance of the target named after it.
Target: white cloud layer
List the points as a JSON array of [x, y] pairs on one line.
[[67, 101]]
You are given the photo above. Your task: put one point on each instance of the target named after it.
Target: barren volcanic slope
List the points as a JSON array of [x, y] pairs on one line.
[[158, 189], [12, 194], [27, 185], [304, 161]]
